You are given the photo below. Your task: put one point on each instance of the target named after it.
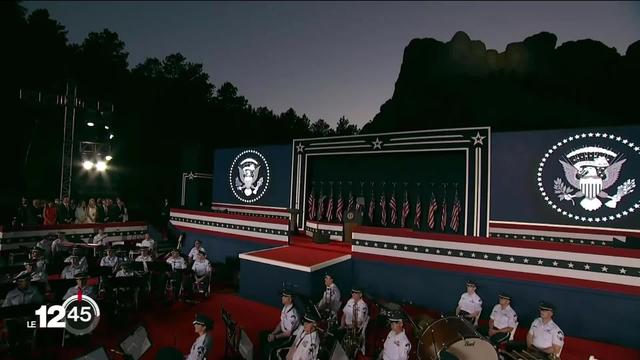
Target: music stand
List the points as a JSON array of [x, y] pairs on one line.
[[97, 354], [136, 344]]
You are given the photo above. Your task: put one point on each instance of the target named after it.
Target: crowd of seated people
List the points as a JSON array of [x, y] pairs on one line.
[[68, 211]]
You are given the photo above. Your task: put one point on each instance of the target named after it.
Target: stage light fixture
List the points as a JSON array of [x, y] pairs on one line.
[[108, 157], [87, 164], [90, 124], [106, 127], [111, 136], [101, 166]]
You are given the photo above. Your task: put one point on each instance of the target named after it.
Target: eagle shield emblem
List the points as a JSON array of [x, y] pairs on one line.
[[249, 176]]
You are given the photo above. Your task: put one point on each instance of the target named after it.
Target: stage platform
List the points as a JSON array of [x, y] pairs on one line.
[[300, 267]]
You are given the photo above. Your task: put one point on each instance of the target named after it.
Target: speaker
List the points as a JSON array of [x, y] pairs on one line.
[[320, 238]]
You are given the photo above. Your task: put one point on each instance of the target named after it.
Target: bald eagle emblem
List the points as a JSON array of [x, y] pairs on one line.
[[590, 171], [249, 176]]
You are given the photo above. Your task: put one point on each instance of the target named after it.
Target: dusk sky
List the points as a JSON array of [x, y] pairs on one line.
[[328, 59]]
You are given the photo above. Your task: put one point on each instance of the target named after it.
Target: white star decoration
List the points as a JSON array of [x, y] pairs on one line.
[[623, 271], [571, 265], [299, 148], [377, 144], [555, 263], [478, 139], [605, 269], [540, 262]]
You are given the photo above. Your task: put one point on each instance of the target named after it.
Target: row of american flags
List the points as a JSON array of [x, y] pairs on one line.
[[379, 212]]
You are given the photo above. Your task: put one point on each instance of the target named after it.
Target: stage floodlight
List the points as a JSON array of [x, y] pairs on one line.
[[90, 124], [108, 157], [110, 136], [106, 127], [87, 164], [101, 166]]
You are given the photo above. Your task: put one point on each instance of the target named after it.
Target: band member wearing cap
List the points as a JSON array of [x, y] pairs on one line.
[[125, 270], [201, 271], [355, 313], [74, 267], [270, 342], [397, 345], [109, 260], [194, 250], [100, 238], [544, 335], [503, 320], [331, 297], [81, 283], [203, 344], [144, 256], [24, 293], [306, 343], [470, 304], [39, 263]]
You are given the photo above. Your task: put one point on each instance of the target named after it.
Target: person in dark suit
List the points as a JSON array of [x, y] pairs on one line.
[[65, 213], [100, 214]]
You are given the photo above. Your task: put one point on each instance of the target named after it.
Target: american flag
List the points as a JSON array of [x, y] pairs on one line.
[[339, 208], [394, 209], [383, 210], [350, 201], [372, 206], [320, 208], [443, 219], [455, 214], [405, 209], [330, 207], [312, 205], [431, 216], [418, 215]]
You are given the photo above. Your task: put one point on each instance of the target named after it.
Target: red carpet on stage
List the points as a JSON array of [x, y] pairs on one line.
[[297, 256], [307, 242]]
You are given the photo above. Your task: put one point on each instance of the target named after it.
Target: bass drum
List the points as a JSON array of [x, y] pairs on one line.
[[454, 338]]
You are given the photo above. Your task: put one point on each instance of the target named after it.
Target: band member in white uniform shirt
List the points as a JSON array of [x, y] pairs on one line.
[[201, 270], [203, 344], [81, 283], [544, 335], [355, 312], [502, 321], [470, 304], [331, 297], [144, 256], [74, 267], [281, 336], [397, 346], [306, 342], [194, 250], [176, 261], [100, 238], [109, 260]]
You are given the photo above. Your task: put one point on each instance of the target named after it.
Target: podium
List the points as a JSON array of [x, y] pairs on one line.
[[352, 218]]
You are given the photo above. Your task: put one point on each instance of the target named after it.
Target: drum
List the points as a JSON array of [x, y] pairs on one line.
[[452, 337]]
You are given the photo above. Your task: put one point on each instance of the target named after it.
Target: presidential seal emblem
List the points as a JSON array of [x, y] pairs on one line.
[[249, 176], [589, 177]]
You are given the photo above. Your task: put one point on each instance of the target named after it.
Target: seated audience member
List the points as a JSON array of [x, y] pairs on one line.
[[281, 336], [81, 284], [502, 321], [470, 304], [24, 293], [331, 298], [74, 268], [194, 250], [201, 348], [109, 260], [397, 345], [306, 342]]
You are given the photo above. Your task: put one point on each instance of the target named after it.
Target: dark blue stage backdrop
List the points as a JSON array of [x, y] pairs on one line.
[[265, 178], [580, 177]]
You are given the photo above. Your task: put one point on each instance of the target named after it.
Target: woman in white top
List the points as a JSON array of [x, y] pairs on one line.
[[91, 211], [81, 213]]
